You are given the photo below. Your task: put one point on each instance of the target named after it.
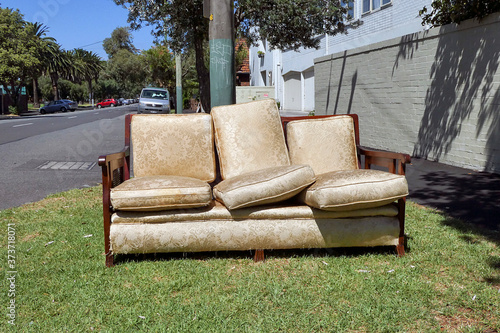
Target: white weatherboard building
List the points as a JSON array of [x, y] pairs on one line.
[[291, 73]]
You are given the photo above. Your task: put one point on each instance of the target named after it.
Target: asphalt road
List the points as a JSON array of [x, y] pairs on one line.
[[46, 154]]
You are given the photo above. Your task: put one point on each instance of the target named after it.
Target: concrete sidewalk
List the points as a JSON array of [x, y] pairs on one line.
[[24, 114], [471, 196]]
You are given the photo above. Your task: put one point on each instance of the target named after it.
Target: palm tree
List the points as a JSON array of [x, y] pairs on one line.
[[58, 65], [38, 31], [86, 67]]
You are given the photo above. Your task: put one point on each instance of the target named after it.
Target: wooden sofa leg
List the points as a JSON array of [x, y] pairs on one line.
[[258, 256], [110, 260], [401, 216], [400, 248]]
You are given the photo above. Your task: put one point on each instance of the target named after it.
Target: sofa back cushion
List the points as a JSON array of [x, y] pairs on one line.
[[326, 144], [249, 137], [177, 145]]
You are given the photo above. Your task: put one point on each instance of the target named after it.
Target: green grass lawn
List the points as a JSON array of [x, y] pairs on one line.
[[448, 281]]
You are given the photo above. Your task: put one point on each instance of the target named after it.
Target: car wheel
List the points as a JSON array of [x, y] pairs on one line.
[[63, 109], [111, 105], [42, 111], [99, 106]]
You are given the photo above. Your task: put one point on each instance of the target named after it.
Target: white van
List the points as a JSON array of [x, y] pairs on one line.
[[154, 100]]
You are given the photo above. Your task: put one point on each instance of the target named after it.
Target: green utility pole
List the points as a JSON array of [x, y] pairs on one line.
[[178, 83], [221, 37]]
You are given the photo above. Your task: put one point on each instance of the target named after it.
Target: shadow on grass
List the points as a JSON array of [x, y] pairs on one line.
[[474, 234], [248, 255], [494, 262], [472, 200]]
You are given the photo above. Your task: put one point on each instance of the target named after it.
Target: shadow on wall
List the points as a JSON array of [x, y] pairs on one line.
[[407, 47], [354, 81], [462, 78], [491, 114]]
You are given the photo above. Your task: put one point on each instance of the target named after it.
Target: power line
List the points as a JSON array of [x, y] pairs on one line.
[[81, 47]]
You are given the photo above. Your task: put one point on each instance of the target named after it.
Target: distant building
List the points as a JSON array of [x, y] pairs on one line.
[[5, 101], [291, 73]]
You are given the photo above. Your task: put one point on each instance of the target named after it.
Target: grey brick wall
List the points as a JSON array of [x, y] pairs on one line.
[[434, 94]]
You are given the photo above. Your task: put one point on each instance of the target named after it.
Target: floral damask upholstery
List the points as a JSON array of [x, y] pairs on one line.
[[152, 193], [234, 235], [354, 189], [281, 226], [180, 145], [263, 186], [249, 137], [217, 211], [168, 206], [326, 144]]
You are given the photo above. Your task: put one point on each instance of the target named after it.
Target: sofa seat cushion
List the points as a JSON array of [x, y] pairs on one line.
[[152, 193], [263, 186], [217, 211], [249, 137], [354, 189]]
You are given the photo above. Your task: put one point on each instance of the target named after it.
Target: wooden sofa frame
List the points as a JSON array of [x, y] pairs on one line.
[[116, 169]]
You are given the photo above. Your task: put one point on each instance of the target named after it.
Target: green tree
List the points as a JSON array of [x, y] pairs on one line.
[[86, 67], [288, 24], [455, 11], [129, 70], [38, 31], [18, 52], [161, 64], [64, 88], [106, 88], [125, 66], [284, 24], [58, 66], [78, 93], [45, 87], [190, 86], [120, 39]]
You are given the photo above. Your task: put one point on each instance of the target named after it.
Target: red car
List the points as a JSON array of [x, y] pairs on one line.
[[107, 102]]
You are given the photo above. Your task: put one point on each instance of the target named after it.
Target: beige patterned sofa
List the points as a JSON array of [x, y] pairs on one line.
[[242, 178]]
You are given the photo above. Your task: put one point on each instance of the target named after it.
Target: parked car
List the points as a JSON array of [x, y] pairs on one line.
[[55, 106], [107, 102], [154, 100], [72, 105]]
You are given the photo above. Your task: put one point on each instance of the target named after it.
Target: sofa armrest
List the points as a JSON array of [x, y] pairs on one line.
[[395, 162], [115, 170], [115, 167]]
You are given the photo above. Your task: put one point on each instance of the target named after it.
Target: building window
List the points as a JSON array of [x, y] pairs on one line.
[[371, 5], [350, 7]]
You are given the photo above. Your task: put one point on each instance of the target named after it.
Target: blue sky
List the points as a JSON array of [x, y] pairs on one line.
[[80, 23]]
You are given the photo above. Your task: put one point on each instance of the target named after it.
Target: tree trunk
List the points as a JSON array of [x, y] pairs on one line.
[[14, 94], [54, 77], [91, 95], [203, 74], [36, 103]]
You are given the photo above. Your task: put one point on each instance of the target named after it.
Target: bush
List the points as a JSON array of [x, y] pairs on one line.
[[13, 110]]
